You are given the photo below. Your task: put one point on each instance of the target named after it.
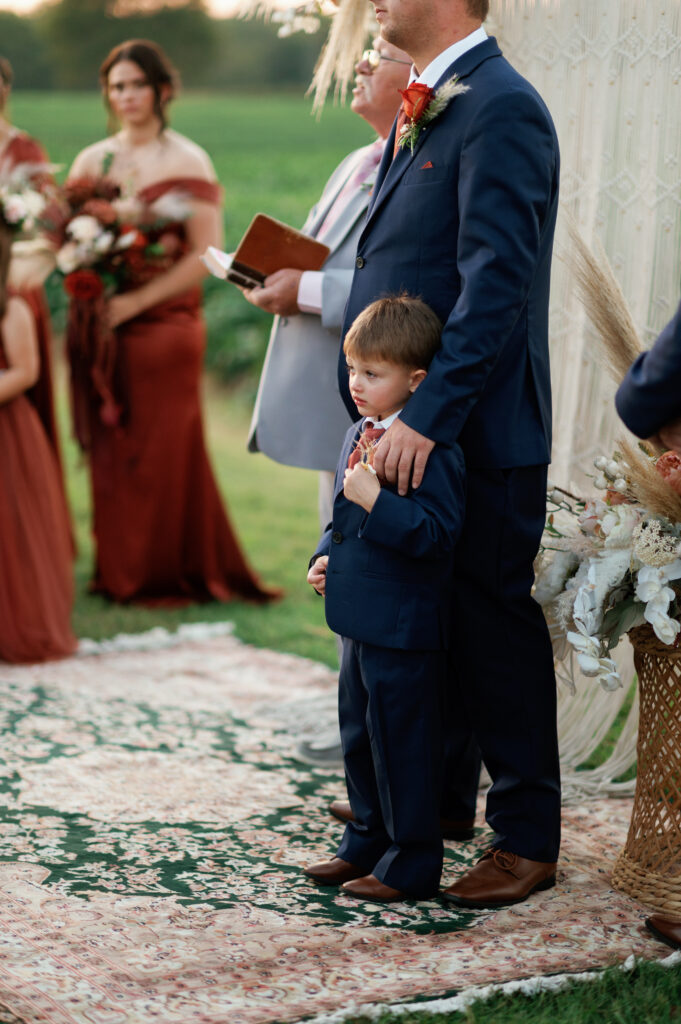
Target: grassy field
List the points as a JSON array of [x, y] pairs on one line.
[[271, 155]]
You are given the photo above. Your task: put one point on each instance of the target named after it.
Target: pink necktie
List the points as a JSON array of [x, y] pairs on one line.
[[401, 121], [371, 160], [363, 450]]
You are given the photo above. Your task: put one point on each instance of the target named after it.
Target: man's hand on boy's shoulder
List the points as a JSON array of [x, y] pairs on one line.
[[316, 576], [401, 456], [361, 486]]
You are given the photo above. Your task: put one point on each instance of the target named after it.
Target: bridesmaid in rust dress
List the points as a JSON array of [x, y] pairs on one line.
[[162, 535], [36, 587], [17, 148]]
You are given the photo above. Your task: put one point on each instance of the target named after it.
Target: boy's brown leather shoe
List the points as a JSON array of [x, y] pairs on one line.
[[369, 888], [663, 929], [460, 830], [499, 879], [334, 871]]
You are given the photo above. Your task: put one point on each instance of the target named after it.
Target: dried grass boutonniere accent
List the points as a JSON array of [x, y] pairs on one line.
[[422, 104]]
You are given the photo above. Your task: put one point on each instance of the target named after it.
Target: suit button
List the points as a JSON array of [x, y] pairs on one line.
[[359, 262], [336, 536]]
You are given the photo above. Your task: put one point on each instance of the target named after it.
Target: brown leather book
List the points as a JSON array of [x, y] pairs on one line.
[[267, 245]]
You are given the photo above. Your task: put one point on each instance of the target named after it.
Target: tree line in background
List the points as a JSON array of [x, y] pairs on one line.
[[61, 45]]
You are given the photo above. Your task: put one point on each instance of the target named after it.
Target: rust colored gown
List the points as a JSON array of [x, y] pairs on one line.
[[161, 531], [22, 149], [36, 585]]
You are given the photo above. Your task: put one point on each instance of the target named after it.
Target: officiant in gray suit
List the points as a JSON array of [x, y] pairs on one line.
[[299, 418]]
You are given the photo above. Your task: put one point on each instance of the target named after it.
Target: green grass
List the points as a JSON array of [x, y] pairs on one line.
[[647, 995]]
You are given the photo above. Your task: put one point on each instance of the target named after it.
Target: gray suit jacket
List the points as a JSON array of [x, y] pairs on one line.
[[299, 418]]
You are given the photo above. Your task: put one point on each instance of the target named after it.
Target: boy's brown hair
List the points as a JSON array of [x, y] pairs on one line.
[[399, 329]]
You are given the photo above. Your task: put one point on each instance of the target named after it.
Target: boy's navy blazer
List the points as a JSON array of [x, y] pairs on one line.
[[389, 575], [649, 397], [466, 222]]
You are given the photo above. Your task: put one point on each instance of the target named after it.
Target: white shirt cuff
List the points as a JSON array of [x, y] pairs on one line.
[[310, 292]]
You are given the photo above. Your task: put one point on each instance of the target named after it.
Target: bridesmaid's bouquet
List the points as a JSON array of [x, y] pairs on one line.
[[21, 203], [613, 563], [107, 241]]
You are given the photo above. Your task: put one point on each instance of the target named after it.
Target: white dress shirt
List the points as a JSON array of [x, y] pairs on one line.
[[436, 69]]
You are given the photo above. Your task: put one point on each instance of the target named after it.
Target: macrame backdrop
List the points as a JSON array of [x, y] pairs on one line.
[[610, 74]]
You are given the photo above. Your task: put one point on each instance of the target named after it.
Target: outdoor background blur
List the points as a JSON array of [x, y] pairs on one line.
[[242, 99]]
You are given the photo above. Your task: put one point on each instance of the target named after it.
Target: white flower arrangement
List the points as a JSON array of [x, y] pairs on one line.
[[608, 565], [20, 207]]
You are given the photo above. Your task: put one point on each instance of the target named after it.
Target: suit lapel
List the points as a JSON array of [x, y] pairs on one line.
[[312, 226], [391, 170], [344, 224], [350, 442]]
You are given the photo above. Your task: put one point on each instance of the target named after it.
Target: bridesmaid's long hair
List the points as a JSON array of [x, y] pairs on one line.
[[158, 71], [5, 251]]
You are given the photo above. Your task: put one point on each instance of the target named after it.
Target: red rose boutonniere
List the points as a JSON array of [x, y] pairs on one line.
[[421, 104]]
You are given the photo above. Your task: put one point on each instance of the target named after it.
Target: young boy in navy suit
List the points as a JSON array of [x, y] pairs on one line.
[[384, 566]]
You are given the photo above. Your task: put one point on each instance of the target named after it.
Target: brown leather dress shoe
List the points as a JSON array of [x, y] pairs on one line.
[[663, 929], [342, 810], [460, 830], [499, 879], [369, 888], [333, 872]]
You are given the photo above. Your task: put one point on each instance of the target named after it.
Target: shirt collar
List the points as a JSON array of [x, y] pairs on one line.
[[432, 74], [385, 422]]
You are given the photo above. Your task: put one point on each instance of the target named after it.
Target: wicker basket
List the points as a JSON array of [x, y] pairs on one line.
[[649, 867]]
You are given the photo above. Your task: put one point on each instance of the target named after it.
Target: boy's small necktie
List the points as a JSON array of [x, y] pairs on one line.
[[367, 441]]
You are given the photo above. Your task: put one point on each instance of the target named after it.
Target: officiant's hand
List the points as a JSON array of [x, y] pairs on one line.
[[670, 436], [279, 294], [401, 456]]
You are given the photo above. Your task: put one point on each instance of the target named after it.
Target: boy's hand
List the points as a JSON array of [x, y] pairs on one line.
[[317, 574], [361, 486]]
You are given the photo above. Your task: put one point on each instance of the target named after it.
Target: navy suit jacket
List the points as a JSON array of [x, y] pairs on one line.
[[388, 579], [649, 397], [467, 223]]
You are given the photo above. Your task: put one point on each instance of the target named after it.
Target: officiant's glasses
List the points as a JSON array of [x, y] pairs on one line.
[[373, 58]]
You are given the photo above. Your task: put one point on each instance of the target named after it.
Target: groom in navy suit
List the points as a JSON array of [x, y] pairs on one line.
[[466, 220]]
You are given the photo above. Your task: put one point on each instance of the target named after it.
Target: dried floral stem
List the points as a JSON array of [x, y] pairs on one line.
[[647, 485], [568, 494], [605, 304], [343, 48]]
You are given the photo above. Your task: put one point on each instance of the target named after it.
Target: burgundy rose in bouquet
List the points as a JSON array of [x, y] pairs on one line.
[[119, 238]]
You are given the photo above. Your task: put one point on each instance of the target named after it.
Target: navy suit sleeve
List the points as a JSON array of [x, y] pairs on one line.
[[507, 191], [649, 397], [426, 523], [324, 543]]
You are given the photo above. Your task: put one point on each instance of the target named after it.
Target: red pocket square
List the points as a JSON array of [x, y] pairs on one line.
[[426, 166]]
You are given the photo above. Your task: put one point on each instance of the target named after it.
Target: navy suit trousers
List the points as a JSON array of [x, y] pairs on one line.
[[502, 661], [390, 704]]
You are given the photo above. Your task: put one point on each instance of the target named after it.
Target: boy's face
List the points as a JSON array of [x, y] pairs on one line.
[[379, 388]]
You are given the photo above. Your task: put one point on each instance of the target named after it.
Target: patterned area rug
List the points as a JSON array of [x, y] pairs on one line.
[[154, 821]]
